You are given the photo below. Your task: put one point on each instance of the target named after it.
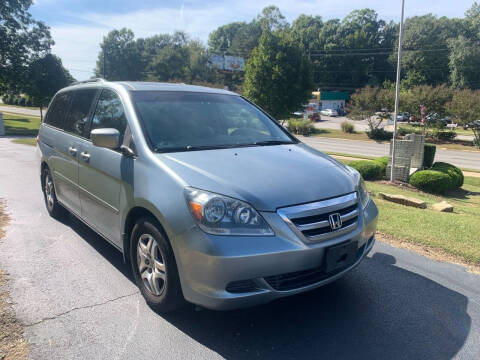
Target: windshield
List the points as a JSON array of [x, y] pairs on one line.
[[183, 121]]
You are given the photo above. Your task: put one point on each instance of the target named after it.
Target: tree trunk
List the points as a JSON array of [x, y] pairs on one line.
[[41, 114]]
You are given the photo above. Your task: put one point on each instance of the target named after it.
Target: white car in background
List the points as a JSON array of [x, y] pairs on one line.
[[329, 112]]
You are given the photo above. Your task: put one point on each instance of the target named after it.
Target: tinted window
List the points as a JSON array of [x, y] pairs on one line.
[[79, 110], [182, 121], [109, 113], [57, 110]]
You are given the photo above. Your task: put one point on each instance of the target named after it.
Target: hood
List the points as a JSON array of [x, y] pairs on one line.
[[267, 177]]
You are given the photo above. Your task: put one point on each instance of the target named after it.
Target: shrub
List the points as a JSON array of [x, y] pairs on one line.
[[347, 127], [428, 155], [452, 171], [443, 135], [370, 170], [22, 101], [383, 161], [402, 131], [301, 127], [380, 134], [431, 181]]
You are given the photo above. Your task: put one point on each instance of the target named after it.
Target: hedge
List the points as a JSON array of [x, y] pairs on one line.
[[370, 170], [383, 161], [441, 178], [452, 171], [301, 127], [380, 134], [428, 155]]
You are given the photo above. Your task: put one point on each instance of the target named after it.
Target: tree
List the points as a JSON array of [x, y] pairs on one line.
[[425, 48], [46, 76], [365, 102], [465, 106], [123, 60], [22, 39], [464, 63], [278, 75], [271, 19]]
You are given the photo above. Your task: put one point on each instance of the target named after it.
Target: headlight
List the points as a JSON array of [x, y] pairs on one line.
[[363, 193], [221, 215]]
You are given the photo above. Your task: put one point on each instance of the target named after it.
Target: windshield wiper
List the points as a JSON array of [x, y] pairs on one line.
[[273, 142]]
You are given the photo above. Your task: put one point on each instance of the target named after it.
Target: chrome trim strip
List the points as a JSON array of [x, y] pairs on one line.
[[331, 234], [315, 225], [349, 216], [320, 207]]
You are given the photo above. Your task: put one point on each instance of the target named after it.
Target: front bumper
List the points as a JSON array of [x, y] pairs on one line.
[[229, 272]]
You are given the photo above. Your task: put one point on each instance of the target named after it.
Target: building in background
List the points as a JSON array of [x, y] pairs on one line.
[[329, 99]]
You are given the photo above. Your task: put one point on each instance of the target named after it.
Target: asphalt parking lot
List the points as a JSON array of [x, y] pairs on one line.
[[77, 299]]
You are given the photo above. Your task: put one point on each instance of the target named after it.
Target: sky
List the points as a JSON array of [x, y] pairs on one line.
[[78, 26]]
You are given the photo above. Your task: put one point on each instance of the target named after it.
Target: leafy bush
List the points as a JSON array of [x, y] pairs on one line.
[[402, 131], [443, 135], [441, 178], [452, 171], [347, 127], [380, 134], [476, 142], [383, 162], [370, 170], [22, 101], [301, 127], [428, 155], [431, 181]]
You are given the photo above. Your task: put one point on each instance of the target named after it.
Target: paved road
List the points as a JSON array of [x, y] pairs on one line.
[[78, 300], [329, 122], [463, 159], [21, 111]]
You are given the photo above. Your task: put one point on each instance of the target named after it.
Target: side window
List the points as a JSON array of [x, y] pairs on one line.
[[79, 110], [57, 110], [109, 113]]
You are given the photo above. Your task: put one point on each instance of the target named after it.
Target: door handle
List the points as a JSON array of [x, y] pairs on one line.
[[72, 151], [85, 156]]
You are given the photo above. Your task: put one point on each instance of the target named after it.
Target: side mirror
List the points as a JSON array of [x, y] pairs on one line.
[[108, 138]]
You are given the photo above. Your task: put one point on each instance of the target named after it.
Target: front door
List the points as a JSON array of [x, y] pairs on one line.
[[99, 175]]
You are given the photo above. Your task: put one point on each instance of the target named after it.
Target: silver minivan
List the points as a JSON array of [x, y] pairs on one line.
[[207, 196]]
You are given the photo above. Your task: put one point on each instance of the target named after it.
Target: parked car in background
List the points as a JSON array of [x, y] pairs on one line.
[[193, 185], [329, 112]]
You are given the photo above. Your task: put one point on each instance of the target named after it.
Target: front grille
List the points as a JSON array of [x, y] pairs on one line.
[[298, 279], [311, 221], [241, 286]]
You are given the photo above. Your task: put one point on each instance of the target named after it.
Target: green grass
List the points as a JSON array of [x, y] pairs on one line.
[[26, 141], [456, 233], [364, 157], [334, 133], [21, 124]]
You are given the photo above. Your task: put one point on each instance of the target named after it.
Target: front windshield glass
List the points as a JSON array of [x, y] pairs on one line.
[[183, 121]]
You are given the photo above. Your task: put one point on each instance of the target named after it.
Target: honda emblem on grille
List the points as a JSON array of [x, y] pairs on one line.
[[335, 221]]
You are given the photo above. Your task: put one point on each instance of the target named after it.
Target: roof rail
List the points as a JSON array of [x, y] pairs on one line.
[[88, 81]]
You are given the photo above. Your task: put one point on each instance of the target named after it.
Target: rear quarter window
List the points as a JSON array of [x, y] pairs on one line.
[[58, 110]]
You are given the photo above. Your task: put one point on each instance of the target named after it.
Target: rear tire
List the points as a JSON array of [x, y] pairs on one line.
[[54, 209], [154, 266]]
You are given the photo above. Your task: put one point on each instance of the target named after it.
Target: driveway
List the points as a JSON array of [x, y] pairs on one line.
[[77, 299], [463, 159]]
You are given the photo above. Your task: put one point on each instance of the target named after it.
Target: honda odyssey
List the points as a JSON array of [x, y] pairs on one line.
[[208, 197]]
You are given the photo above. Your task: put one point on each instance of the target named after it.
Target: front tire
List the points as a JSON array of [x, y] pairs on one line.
[[54, 209], [154, 266]]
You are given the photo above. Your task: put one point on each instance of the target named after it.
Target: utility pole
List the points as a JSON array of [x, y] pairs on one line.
[[104, 57], [397, 90]]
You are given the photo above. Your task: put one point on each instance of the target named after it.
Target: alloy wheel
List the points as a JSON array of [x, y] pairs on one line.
[[151, 265]]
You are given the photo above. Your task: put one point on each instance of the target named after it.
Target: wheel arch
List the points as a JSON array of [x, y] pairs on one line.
[[132, 216]]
